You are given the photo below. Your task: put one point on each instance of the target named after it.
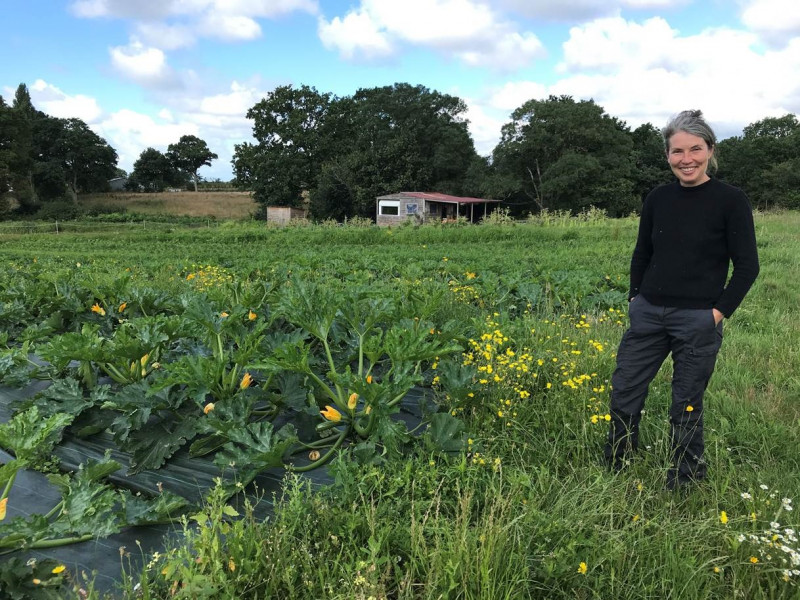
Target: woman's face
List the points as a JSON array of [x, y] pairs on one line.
[[688, 157]]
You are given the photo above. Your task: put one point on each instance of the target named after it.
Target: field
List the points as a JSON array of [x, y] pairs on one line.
[[219, 205], [293, 347]]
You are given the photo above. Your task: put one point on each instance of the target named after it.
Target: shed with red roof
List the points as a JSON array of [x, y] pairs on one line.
[[394, 209]]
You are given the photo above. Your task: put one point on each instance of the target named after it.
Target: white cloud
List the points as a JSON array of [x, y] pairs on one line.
[[356, 33], [229, 28], [466, 29], [51, 100], [165, 36], [236, 103], [776, 20], [484, 126], [583, 10], [147, 66], [515, 93]]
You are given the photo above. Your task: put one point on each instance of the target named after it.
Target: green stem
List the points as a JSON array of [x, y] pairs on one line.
[[9, 483], [360, 356], [325, 387], [62, 541], [329, 354], [323, 459], [54, 510]]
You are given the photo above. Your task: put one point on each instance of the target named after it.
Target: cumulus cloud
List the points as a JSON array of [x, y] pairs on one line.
[[171, 24], [468, 30], [51, 100], [776, 20], [618, 64], [145, 65], [583, 10]]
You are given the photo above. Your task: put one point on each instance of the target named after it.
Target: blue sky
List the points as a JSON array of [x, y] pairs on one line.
[[142, 73]]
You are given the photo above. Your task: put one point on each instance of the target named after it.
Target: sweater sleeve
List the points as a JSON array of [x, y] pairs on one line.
[[741, 237], [643, 249]]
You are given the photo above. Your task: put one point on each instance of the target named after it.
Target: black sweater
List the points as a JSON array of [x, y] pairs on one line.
[[687, 238]]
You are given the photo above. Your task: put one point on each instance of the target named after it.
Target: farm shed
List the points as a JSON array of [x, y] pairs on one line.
[[117, 184], [283, 214], [394, 209]]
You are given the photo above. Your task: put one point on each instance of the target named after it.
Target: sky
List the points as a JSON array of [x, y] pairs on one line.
[[142, 73]]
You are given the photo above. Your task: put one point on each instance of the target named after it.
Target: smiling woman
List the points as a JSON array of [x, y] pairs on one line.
[[689, 233]]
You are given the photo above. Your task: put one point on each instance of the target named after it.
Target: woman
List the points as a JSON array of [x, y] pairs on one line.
[[689, 232]]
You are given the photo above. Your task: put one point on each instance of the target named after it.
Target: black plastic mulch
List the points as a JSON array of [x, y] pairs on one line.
[[189, 477]]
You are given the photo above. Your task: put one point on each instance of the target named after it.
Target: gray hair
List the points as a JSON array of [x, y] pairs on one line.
[[693, 123]]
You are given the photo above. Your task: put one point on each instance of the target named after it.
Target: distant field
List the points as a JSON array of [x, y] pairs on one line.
[[221, 205]]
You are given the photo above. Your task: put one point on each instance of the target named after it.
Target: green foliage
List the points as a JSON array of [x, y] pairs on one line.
[[764, 162], [152, 172], [189, 154], [346, 151], [562, 154]]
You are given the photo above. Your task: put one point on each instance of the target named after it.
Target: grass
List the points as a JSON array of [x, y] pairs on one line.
[[527, 510], [219, 205]]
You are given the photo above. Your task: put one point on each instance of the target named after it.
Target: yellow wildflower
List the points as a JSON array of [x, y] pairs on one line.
[[689, 408], [252, 316], [208, 408], [246, 381], [753, 560], [331, 414], [582, 568], [58, 569], [96, 308], [717, 570], [723, 517], [352, 401], [191, 276], [223, 314], [37, 581], [231, 565]]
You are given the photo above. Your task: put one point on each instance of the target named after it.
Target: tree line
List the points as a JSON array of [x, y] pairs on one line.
[[44, 159], [335, 155]]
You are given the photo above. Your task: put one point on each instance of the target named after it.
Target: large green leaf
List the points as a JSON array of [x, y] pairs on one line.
[[445, 433], [255, 448], [154, 443], [32, 438]]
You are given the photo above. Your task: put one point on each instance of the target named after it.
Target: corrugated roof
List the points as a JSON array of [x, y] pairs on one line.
[[437, 197]]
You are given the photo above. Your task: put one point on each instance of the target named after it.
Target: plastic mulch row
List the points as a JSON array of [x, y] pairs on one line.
[[182, 474]]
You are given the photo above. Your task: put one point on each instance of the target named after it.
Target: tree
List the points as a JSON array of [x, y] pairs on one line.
[[288, 126], [89, 162], [152, 172], [562, 154], [189, 154], [650, 166], [763, 161], [22, 148]]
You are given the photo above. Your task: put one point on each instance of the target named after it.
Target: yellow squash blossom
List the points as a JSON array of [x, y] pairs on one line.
[[3, 506], [331, 414], [223, 314], [246, 381], [208, 408], [352, 401], [122, 307], [252, 316], [369, 378], [96, 308]]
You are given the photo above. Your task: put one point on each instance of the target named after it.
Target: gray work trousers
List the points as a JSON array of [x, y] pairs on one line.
[[655, 332]]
